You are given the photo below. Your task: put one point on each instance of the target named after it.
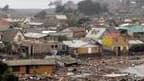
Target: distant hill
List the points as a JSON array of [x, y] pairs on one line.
[[27, 12]]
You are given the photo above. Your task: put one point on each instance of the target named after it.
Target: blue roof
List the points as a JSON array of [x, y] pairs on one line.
[[133, 28]]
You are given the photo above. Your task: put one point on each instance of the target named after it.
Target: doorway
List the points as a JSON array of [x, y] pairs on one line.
[[27, 69], [117, 51]]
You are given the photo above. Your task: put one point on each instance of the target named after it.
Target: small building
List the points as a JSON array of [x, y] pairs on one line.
[[4, 24], [116, 42], [56, 37], [135, 31], [74, 32], [61, 17], [12, 36], [58, 20], [96, 33], [32, 66], [82, 47], [11, 39], [38, 48], [35, 36]]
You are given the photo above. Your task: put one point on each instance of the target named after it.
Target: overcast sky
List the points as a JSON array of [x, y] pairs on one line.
[[28, 3]]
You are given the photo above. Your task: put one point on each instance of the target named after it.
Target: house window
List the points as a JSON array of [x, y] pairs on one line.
[[56, 46], [52, 46], [16, 69], [19, 38]]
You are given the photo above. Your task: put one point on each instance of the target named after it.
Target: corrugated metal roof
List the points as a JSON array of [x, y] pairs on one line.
[[136, 29], [75, 43], [78, 43], [61, 17], [34, 35], [47, 32]]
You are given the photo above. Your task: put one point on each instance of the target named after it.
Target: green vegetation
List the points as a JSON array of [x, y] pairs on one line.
[[6, 74]]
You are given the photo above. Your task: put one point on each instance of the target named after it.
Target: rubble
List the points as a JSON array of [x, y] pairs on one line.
[[96, 69]]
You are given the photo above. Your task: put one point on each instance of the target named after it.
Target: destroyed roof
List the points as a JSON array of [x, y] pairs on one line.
[[30, 62], [96, 33], [34, 35], [67, 60], [78, 43]]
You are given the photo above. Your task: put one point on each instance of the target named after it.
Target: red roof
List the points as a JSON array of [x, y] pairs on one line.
[[114, 34], [4, 21]]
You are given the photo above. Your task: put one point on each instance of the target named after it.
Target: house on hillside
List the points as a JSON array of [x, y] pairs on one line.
[[74, 32], [58, 20], [136, 31], [83, 48], [12, 36], [30, 48], [16, 22], [61, 17], [116, 42], [96, 33], [4, 25]]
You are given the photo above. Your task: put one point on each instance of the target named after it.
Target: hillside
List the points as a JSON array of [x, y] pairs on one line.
[[26, 12]]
